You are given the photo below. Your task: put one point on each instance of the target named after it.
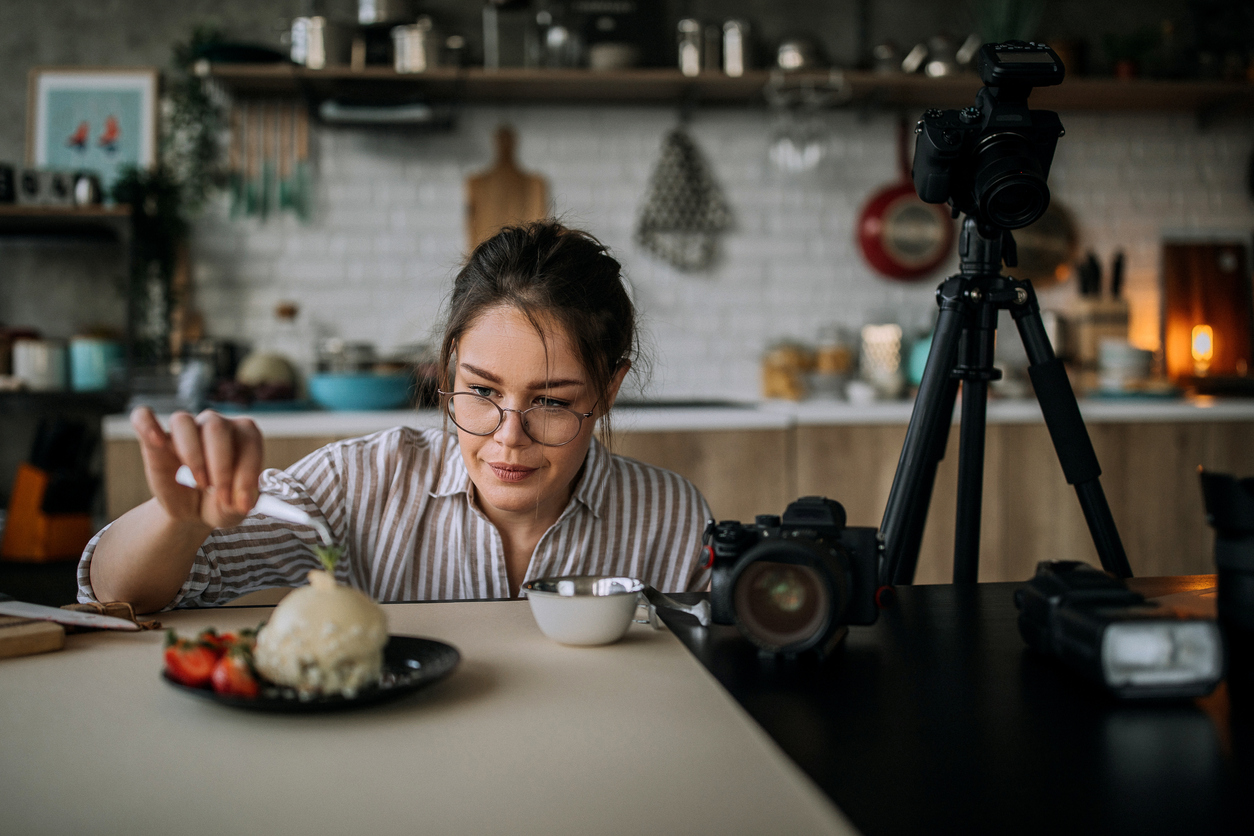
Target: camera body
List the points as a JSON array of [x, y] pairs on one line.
[[792, 584], [991, 160]]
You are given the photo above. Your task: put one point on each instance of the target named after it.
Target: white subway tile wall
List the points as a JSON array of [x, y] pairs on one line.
[[387, 235]]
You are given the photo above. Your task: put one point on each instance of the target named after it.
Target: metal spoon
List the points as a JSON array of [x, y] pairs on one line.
[[699, 610], [270, 506]]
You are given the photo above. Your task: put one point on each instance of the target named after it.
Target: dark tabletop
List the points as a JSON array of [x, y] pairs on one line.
[[938, 719]]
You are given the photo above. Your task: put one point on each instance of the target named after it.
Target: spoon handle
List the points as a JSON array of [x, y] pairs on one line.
[[271, 506]]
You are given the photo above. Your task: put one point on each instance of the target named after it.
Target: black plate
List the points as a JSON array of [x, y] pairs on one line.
[[409, 663]]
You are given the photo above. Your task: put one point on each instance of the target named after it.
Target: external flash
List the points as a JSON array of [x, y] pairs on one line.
[[1096, 625]]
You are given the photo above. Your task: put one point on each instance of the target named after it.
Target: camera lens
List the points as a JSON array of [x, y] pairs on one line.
[[781, 606], [1009, 185]]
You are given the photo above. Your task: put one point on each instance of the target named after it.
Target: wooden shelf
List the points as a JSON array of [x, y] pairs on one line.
[[104, 222], [26, 402], [382, 84]]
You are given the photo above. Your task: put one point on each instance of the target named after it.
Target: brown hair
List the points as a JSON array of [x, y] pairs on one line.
[[551, 274]]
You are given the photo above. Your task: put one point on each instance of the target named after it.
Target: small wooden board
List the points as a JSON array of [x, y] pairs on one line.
[[503, 195], [22, 636]]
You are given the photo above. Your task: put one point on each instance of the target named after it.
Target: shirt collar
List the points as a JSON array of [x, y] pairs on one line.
[[454, 478], [590, 491]]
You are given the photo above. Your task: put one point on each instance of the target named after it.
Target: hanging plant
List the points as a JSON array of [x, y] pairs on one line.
[[164, 198], [157, 228]]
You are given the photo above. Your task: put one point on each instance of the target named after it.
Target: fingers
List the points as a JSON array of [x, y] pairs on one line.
[[185, 434], [247, 464], [152, 437], [219, 446], [224, 455]]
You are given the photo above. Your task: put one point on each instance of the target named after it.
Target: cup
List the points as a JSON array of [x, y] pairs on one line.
[[584, 609], [92, 362], [41, 364]]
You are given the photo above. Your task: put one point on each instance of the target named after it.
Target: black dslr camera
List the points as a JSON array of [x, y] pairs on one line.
[[991, 160], [792, 585]]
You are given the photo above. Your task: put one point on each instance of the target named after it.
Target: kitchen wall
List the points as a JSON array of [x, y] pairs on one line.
[[388, 233]]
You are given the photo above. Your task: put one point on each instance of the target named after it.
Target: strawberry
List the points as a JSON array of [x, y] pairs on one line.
[[187, 662], [233, 675], [219, 643]]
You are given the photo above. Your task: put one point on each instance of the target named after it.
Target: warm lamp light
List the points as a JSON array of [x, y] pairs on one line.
[[1203, 347]]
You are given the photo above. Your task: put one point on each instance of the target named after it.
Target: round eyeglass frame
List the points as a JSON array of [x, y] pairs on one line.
[[522, 415]]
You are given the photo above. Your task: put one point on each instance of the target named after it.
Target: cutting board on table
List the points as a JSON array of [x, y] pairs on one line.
[[22, 636], [504, 194]]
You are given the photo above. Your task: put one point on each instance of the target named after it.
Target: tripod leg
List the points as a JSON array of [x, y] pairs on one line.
[[916, 517], [978, 363], [927, 418], [1070, 437]]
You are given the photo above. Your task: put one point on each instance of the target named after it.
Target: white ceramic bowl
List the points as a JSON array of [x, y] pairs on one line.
[[583, 609]]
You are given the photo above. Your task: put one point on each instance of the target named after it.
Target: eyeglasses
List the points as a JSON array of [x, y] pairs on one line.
[[551, 426]]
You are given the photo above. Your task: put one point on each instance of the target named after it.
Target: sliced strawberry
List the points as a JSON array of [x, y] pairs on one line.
[[190, 664], [219, 643], [232, 675]]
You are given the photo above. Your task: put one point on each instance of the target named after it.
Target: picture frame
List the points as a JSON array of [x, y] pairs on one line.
[[92, 119]]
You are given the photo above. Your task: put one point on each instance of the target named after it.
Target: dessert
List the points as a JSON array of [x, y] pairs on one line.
[[323, 638]]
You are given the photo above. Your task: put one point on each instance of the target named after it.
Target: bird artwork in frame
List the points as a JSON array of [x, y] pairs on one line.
[[92, 119]]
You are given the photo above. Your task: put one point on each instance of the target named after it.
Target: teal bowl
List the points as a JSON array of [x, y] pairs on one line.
[[342, 391]]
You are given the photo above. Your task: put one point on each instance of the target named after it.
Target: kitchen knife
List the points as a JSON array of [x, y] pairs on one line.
[[1116, 276], [21, 609]]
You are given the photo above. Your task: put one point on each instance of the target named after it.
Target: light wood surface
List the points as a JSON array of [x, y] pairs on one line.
[[526, 736], [504, 194], [650, 84], [23, 637], [742, 473], [1029, 512]]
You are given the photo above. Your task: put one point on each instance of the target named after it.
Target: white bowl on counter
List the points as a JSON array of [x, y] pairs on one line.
[[584, 609]]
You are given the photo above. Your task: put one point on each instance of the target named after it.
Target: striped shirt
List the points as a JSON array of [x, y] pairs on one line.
[[411, 530]]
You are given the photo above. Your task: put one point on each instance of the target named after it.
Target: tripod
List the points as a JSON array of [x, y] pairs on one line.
[[962, 353]]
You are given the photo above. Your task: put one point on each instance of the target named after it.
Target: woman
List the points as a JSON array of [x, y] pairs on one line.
[[540, 335]]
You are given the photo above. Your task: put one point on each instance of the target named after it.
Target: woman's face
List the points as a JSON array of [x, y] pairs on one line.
[[502, 357]]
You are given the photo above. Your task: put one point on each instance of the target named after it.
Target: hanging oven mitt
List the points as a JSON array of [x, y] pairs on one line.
[[685, 209]]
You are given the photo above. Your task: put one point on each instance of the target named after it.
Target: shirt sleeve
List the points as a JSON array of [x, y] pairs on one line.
[[260, 552]]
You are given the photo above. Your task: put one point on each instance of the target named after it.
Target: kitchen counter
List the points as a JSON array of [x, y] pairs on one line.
[[768, 415]]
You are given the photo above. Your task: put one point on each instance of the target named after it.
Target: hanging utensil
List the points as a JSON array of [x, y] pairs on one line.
[[1047, 247], [900, 236], [269, 136], [301, 198], [504, 194], [285, 156], [235, 159], [252, 161], [685, 210]]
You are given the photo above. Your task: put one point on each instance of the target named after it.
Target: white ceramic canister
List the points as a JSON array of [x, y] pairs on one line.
[[41, 363]]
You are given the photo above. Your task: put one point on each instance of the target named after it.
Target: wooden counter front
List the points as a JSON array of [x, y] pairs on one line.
[[750, 462]]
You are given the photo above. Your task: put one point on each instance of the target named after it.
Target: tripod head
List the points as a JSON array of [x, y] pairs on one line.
[[983, 249]]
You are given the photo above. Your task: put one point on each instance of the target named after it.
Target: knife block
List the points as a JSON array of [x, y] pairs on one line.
[[1092, 320], [33, 535]]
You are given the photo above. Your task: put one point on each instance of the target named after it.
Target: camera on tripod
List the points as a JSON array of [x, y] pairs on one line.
[[991, 160], [793, 584]]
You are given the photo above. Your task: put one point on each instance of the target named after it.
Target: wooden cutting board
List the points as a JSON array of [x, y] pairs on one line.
[[504, 194], [22, 636]]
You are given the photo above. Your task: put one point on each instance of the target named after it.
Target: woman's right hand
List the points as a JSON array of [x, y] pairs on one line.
[[224, 455]]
